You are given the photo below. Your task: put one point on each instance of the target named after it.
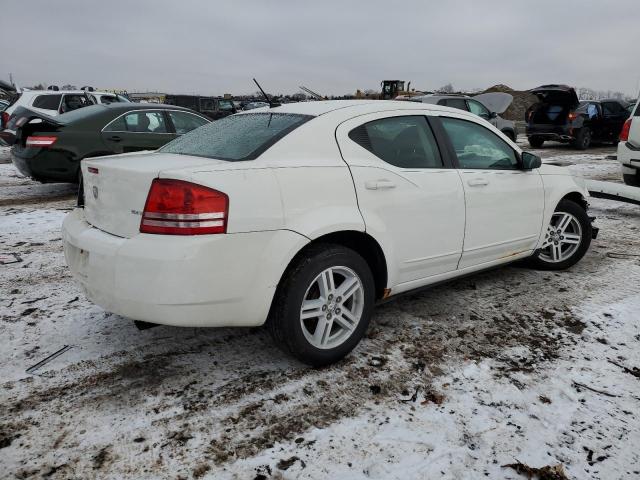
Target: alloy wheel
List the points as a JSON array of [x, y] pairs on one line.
[[562, 239], [332, 307]]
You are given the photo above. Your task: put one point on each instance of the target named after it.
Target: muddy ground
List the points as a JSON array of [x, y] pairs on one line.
[[206, 403]]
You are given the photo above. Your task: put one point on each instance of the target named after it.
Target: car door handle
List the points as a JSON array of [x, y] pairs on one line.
[[379, 185], [478, 182], [115, 138]]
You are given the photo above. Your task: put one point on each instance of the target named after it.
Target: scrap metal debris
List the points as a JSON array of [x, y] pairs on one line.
[[9, 258], [555, 472], [587, 387], [48, 359]]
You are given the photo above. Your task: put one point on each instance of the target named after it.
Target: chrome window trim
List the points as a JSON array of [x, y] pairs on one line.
[[147, 110]]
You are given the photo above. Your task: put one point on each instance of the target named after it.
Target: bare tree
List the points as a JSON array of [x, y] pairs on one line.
[[448, 88]]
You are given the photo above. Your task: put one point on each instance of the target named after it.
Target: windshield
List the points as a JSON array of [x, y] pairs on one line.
[[237, 137]]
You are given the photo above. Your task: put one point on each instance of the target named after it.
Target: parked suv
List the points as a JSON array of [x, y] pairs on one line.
[[212, 107], [560, 116], [305, 215], [486, 105], [56, 102], [629, 149]]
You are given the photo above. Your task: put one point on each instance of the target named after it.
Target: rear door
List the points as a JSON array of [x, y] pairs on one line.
[[410, 197], [614, 115], [138, 130], [504, 204]]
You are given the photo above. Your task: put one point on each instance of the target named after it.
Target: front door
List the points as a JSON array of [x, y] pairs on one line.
[[614, 116], [136, 131], [411, 201], [504, 204]]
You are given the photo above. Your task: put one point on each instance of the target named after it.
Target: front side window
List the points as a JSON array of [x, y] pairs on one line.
[[477, 147], [477, 108], [185, 122], [406, 142], [226, 105], [458, 103], [47, 102], [237, 137]]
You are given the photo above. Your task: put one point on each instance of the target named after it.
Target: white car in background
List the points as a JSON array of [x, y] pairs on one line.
[[629, 148], [56, 102], [306, 215]]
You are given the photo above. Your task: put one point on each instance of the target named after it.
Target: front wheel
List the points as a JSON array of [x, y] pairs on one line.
[[323, 305], [632, 180], [536, 142], [567, 238]]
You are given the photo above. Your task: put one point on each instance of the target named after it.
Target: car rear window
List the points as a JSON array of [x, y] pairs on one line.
[[237, 137]]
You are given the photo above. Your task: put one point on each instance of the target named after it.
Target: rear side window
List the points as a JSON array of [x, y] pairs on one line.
[[612, 108], [405, 142], [47, 102], [477, 147], [237, 137], [139, 122], [185, 122], [637, 114]]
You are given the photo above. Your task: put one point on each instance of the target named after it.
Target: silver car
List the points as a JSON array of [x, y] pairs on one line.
[[486, 105]]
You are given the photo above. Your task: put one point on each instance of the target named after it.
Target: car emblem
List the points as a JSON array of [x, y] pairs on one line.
[[95, 192]]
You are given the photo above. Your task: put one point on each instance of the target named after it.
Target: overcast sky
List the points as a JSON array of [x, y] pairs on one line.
[[333, 47]]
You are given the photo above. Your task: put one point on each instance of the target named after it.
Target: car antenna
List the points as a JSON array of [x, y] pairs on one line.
[[308, 91], [270, 102]]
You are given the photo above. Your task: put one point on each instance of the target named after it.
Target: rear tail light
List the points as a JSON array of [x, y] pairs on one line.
[[40, 142], [572, 116], [5, 119], [176, 207], [624, 133]]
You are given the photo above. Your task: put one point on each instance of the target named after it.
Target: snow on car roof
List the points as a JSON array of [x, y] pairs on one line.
[[347, 106]]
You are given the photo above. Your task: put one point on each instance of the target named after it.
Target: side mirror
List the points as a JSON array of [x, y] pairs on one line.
[[530, 161], [493, 115]]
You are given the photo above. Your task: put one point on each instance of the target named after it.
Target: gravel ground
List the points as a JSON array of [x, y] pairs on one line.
[[454, 382]]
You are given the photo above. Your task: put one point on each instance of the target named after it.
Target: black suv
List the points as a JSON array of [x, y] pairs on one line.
[[560, 116], [212, 107]]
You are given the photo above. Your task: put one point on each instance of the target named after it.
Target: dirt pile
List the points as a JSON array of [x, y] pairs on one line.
[[521, 101]]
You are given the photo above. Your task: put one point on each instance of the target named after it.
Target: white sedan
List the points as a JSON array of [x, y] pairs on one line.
[[305, 215]]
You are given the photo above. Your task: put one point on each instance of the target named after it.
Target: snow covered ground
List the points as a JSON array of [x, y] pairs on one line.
[[455, 382]]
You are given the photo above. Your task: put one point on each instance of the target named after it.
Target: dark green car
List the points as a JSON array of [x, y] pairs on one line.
[[50, 149]]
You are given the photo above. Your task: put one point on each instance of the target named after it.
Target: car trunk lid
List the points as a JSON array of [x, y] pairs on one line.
[[558, 94], [497, 102], [115, 188]]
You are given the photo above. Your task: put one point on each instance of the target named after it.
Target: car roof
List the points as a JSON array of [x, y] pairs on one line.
[[59, 92], [348, 108], [123, 106]]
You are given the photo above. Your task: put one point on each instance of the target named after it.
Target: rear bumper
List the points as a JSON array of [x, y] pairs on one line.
[[559, 133], [45, 165], [629, 156], [195, 281]]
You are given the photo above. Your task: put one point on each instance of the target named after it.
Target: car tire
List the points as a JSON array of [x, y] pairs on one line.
[[583, 139], [560, 252], [509, 135], [632, 179], [308, 280], [536, 142]]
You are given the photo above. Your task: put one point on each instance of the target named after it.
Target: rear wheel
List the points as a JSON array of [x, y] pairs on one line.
[[536, 142], [583, 139], [567, 238], [323, 305], [632, 179]]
